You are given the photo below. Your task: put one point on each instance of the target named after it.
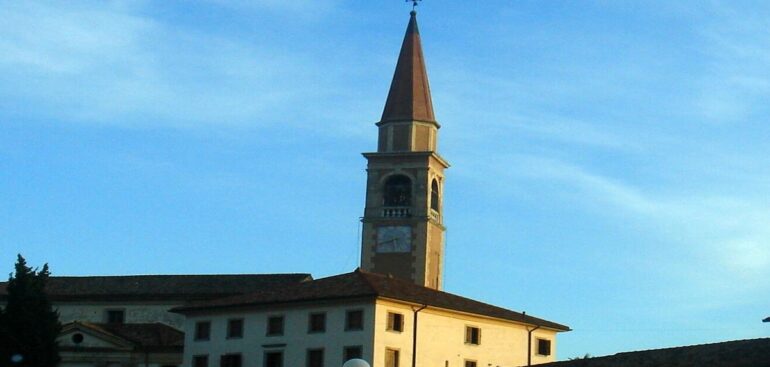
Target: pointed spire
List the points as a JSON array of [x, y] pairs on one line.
[[409, 95]]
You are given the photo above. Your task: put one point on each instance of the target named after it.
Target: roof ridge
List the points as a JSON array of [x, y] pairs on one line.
[[363, 275], [95, 326], [360, 283]]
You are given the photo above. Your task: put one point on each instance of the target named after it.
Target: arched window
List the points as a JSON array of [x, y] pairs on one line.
[[434, 195], [398, 191]]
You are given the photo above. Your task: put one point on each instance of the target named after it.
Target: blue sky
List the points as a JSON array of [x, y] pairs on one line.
[[610, 159]]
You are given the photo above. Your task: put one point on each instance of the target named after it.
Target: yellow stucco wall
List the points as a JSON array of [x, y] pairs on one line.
[[441, 339]]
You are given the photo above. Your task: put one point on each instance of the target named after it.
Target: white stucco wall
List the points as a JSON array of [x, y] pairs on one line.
[[89, 341], [294, 342], [137, 312], [441, 339], [100, 350]]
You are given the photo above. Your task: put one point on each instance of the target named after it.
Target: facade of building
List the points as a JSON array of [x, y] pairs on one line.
[[84, 344], [391, 312], [386, 321], [124, 320]]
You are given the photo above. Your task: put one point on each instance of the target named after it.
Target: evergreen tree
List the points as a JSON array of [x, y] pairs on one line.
[[28, 324]]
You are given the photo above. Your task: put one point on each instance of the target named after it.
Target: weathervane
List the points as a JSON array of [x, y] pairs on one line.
[[414, 3]]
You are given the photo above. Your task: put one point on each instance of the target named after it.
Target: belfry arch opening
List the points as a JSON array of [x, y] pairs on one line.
[[397, 191], [434, 196]]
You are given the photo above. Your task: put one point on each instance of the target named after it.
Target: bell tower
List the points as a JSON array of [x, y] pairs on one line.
[[403, 231]]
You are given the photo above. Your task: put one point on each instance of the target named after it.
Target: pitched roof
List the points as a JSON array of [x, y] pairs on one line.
[[409, 96], [160, 287], [360, 284], [145, 335], [738, 353]]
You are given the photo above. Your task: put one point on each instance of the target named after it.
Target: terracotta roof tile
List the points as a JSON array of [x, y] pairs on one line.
[[409, 95], [146, 335], [738, 353], [155, 334], [361, 284], [161, 287]]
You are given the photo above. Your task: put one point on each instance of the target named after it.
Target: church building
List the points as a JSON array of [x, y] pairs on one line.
[[403, 234], [392, 311]]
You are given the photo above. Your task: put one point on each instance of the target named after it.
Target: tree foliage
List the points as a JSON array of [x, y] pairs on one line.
[[28, 324]]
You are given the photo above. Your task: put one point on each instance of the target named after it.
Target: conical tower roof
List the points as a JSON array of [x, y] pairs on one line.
[[409, 95]]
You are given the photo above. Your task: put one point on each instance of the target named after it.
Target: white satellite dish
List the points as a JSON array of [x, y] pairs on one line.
[[355, 362]]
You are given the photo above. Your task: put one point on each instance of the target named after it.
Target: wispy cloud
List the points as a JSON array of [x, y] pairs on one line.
[[301, 8], [736, 84], [513, 109], [105, 64], [726, 233], [561, 130]]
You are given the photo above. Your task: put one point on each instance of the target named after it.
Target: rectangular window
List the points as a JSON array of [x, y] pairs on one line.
[[234, 328], [317, 323], [354, 320], [200, 361], [274, 359], [352, 351], [315, 358], [391, 357], [274, 325], [230, 360], [395, 322], [116, 316], [202, 330], [472, 335], [470, 363], [543, 347]]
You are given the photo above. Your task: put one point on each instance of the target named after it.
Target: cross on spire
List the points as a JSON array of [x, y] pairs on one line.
[[414, 3]]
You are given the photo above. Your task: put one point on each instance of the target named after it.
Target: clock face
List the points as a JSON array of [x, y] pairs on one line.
[[394, 239]]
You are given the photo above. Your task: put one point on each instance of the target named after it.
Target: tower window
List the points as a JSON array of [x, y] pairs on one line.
[[398, 191], [434, 195]]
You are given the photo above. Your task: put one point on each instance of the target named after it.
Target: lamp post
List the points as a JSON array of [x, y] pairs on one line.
[[767, 319]]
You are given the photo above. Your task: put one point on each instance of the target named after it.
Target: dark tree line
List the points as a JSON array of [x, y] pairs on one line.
[[28, 324]]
